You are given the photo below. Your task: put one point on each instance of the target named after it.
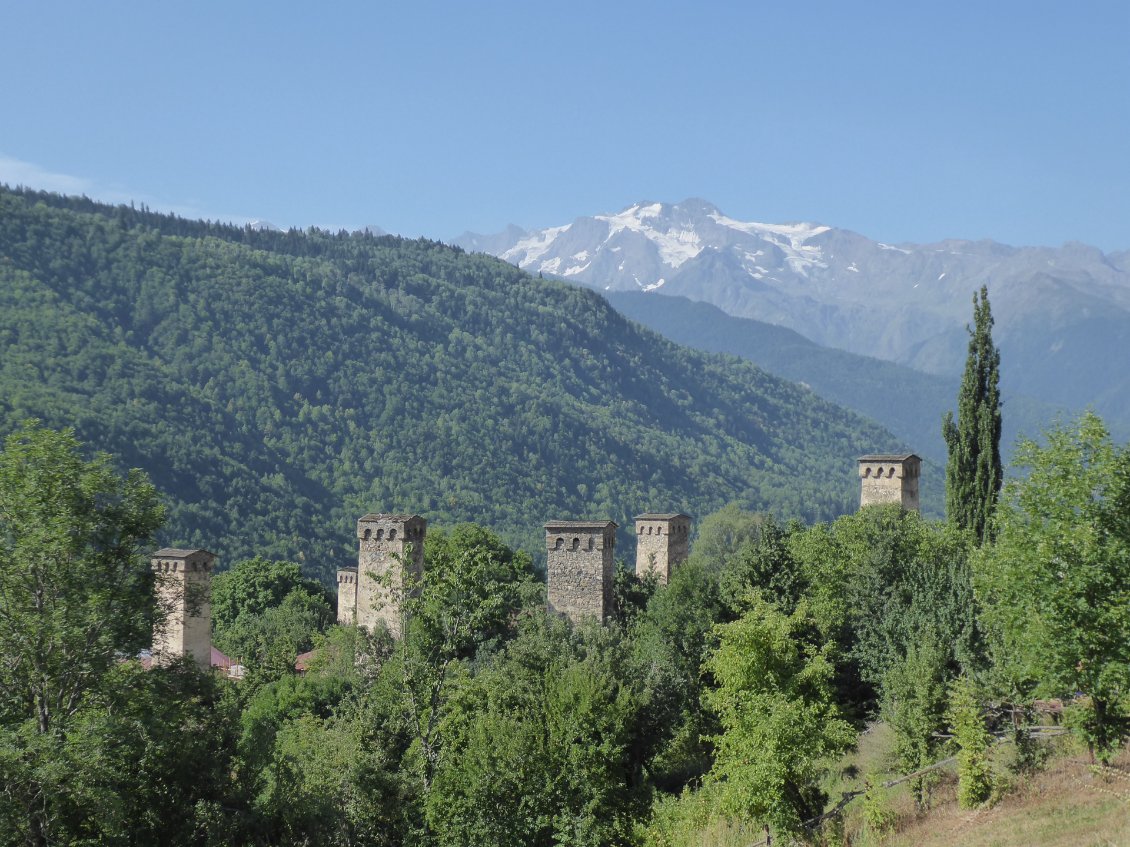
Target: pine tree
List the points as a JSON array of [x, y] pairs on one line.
[[973, 470]]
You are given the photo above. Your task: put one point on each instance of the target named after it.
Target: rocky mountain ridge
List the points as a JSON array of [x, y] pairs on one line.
[[1062, 314]]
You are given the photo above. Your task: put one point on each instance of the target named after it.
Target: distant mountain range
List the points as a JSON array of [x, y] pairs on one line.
[[1062, 314]]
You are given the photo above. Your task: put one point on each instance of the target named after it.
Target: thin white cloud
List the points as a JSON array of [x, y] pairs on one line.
[[16, 172]]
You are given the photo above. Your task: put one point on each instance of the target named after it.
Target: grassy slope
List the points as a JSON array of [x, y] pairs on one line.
[[1070, 803]]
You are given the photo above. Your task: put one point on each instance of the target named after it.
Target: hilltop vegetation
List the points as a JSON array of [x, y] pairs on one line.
[[277, 385]]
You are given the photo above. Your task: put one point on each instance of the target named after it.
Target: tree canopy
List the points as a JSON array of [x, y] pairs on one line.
[[780, 726], [1055, 585], [727, 692], [90, 745], [75, 584]]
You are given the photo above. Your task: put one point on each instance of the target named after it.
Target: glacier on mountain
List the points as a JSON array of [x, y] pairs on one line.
[[907, 303]]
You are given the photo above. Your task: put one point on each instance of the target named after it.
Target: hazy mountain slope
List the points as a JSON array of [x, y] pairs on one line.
[[1062, 314], [907, 402], [277, 385]]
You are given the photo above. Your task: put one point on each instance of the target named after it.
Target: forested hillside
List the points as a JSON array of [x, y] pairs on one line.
[[277, 385], [909, 403]]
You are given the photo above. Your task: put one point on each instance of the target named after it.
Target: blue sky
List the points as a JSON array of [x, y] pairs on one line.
[[902, 121]]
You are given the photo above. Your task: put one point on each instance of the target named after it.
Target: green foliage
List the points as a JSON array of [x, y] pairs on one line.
[[914, 705], [780, 726], [1028, 753], [276, 385], [111, 775], [679, 820], [764, 562], [1056, 583], [974, 772], [588, 713], [253, 586], [974, 473], [310, 766], [495, 790], [721, 536], [876, 813], [265, 613], [473, 585], [466, 602], [92, 747], [881, 580], [309, 778], [631, 593], [540, 744], [75, 589], [721, 694], [671, 642], [270, 706]]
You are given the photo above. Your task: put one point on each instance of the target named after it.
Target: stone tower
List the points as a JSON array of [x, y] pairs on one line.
[[384, 543], [890, 479], [184, 594], [579, 568], [347, 596], [661, 543]]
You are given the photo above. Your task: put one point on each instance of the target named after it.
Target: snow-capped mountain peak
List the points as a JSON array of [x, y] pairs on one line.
[[908, 303], [1062, 315], [676, 240], [646, 244]]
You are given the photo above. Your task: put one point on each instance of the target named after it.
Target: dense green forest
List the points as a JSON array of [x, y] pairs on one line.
[[277, 385], [728, 695]]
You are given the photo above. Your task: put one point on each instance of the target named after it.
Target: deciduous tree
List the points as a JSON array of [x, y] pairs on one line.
[[75, 597], [75, 590], [1055, 586], [781, 728], [265, 613]]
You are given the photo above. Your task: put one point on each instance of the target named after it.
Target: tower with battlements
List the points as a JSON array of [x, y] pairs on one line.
[[889, 479], [184, 596], [579, 568], [389, 546], [661, 543], [347, 596]]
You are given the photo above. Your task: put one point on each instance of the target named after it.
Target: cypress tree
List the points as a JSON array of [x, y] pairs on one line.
[[973, 470]]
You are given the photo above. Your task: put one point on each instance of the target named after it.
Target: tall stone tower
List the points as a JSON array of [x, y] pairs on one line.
[[184, 593], [385, 543], [347, 596], [579, 568], [661, 543], [890, 479]]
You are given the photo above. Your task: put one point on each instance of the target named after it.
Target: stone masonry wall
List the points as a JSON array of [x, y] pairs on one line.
[[384, 543], [347, 596], [661, 543], [184, 593], [889, 479], [579, 568]]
